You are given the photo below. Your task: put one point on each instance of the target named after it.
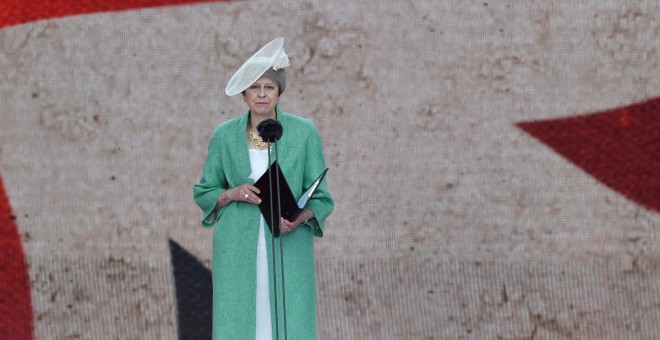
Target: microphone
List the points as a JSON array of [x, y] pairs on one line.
[[270, 130]]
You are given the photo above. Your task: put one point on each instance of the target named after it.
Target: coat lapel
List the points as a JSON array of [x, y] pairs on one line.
[[240, 145], [281, 144]]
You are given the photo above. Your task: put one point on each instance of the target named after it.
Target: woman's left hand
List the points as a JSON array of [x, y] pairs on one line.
[[288, 226]]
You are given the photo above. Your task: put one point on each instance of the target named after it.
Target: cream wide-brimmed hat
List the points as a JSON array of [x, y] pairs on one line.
[[271, 55]]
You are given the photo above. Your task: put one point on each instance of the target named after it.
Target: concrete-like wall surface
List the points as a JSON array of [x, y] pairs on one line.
[[451, 222]]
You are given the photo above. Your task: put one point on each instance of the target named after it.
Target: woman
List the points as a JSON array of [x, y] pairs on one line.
[[245, 284]]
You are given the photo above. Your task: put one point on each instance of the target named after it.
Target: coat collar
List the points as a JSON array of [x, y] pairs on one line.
[[241, 144]]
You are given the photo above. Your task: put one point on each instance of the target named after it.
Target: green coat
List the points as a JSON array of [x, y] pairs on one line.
[[227, 166]]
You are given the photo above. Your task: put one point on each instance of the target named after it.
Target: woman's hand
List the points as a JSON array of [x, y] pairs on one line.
[[243, 193], [288, 226]]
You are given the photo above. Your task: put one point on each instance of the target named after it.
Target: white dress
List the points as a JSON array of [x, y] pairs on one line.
[[259, 164]]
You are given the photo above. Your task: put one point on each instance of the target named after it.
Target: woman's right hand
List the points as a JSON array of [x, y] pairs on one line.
[[246, 193], [243, 193]]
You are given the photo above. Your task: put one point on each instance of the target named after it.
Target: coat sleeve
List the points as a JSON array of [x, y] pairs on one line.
[[212, 184], [321, 204]]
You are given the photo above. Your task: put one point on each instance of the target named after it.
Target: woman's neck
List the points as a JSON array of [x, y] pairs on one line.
[[255, 120]]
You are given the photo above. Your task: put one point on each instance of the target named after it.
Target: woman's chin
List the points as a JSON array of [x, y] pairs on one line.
[[263, 112]]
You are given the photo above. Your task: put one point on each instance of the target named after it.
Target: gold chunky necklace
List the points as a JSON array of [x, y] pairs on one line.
[[255, 139]]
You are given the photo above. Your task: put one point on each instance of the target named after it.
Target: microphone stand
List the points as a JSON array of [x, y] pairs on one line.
[[279, 220], [272, 240], [272, 243]]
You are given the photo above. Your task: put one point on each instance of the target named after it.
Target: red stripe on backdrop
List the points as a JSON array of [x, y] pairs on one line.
[[15, 302], [16, 315], [619, 147], [18, 12]]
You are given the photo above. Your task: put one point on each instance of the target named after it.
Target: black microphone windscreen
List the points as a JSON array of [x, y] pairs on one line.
[[270, 130]]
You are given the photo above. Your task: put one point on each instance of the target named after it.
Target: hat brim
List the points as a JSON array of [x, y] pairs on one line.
[[254, 67]]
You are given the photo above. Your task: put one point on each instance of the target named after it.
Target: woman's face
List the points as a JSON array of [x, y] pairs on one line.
[[262, 96]]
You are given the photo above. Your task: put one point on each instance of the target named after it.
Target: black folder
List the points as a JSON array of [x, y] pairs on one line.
[[289, 206]]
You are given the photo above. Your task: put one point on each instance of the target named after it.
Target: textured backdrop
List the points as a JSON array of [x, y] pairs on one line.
[[471, 148]]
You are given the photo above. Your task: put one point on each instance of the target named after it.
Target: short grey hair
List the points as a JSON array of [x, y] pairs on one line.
[[279, 76]]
